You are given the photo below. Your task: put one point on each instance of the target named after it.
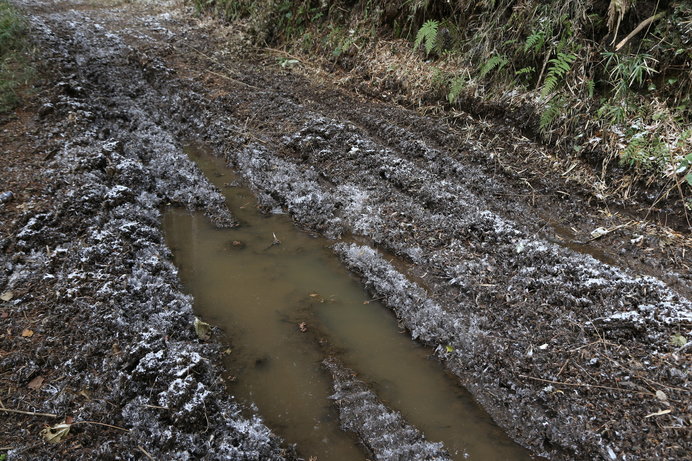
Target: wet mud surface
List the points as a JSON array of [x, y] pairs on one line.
[[285, 306], [577, 346]]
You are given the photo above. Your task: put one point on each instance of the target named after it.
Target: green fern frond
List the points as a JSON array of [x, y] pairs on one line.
[[559, 66], [427, 35], [590, 88], [534, 42], [496, 61], [456, 85], [551, 112], [525, 70]]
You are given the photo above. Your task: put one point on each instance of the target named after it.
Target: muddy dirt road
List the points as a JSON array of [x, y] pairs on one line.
[[576, 343]]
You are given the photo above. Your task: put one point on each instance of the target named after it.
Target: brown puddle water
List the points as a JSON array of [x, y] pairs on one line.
[[568, 239], [258, 293]]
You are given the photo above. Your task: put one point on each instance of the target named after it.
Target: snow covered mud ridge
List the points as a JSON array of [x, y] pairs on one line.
[[384, 432], [574, 358], [131, 357]]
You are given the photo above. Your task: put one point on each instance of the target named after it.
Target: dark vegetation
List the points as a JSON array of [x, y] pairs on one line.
[[14, 68], [609, 81]]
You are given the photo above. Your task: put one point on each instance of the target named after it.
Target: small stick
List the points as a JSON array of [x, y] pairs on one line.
[[102, 424], [32, 413], [637, 29], [284, 53], [276, 240], [155, 406], [562, 368], [146, 453], [585, 385], [234, 80], [215, 61]]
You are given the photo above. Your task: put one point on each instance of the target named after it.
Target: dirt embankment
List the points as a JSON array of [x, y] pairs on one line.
[[573, 356]]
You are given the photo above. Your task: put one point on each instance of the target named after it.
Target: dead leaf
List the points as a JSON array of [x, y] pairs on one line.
[[303, 327], [678, 340], [203, 329], [7, 296], [69, 420], [599, 232], [35, 383], [317, 297], [26, 333], [660, 395], [659, 413], [4, 315], [57, 433]]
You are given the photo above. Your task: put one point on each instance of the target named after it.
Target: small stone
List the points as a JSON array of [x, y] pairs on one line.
[[46, 109], [599, 232], [237, 244], [6, 196]]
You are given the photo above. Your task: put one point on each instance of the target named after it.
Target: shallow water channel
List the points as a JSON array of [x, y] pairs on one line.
[[259, 294]]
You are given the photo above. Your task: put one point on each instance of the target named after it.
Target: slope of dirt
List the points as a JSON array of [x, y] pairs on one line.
[[571, 342]]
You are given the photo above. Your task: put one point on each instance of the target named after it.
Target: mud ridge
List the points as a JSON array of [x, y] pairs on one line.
[[384, 432], [97, 258]]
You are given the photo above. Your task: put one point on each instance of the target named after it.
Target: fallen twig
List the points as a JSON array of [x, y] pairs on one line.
[[146, 453], [102, 424], [231, 79], [284, 53], [216, 61], [155, 406], [561, 383], [637, 29], [30, 413]]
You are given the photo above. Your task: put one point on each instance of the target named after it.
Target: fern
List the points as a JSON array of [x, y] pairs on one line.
[[534, 42], [525, 70], [552, 111], [455, 86], [590, 87], [612, 114], [427, 35], [560, 65], [496, 61]]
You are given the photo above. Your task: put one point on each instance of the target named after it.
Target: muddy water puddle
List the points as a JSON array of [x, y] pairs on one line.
[[568, 239], [263, 293]]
